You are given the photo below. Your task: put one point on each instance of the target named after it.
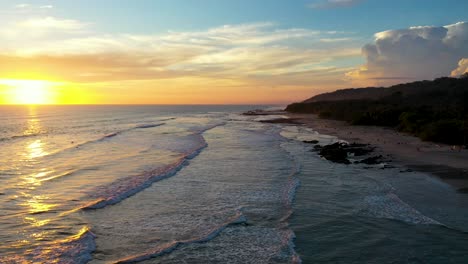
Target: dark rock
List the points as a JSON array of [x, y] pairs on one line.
[[387, 167], [317, 147], [336, 153], [311, 141], [282, 121], [260, 112], [407, 170], [360, 151], [372, 160], [463, 190], [257, 112], [357, 145]]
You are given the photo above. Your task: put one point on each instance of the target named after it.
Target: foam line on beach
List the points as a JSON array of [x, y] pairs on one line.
[[390, 206], [289, 194], [238, 218], [289, 191], [129, 186]]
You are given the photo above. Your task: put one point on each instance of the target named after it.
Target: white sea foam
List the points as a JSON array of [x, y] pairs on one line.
[[238, 218], [126, 187], [390, 206]]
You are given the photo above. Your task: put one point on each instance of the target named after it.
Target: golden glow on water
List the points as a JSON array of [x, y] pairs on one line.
[[34, 126], [34, 204], [82, 231], [19, 243], [35, 222], [37, 205], [35, 149]]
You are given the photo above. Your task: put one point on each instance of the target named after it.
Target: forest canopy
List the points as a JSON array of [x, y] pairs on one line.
[[432, 110]]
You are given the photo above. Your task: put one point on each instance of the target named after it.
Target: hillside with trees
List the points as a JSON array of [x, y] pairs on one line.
[[432, 110]]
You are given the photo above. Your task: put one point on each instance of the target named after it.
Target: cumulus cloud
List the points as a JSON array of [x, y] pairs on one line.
[[333, 3], [410, 54], [462, 68]]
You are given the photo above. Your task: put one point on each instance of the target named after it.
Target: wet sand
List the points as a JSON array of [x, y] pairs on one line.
[[438, 159]]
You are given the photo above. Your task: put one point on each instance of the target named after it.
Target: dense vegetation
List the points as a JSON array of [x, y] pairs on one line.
[[432, 110]]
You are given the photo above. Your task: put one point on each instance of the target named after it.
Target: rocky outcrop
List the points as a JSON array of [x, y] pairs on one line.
[[340, 152]]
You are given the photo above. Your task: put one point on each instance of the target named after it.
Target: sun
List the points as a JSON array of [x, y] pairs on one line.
[[29, 92]]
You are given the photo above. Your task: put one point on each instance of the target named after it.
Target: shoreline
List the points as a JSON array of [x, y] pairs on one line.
[[440, 160]]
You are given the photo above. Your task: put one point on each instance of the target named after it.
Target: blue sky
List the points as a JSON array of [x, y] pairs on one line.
[[153, 16], [291, 49]]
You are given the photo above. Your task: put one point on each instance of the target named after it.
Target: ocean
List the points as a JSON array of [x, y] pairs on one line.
[[205, 184]]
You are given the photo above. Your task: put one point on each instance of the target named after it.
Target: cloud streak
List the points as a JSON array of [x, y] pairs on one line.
[[246, 51]]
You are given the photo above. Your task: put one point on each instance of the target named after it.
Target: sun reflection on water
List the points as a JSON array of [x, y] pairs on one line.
[[37, 205], [36, 222], [33, 127], [35, 149]]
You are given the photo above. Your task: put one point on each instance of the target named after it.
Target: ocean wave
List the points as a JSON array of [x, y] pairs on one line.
[[56, 176], [390, 206], [113, 134], [289, 241], [289, 196], [76, 249], [147, 126], [237, 219], [20, 137], [104, 138], [167, 119], [126, 187]]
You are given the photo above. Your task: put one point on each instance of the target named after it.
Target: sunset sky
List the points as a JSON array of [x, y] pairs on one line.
[[221, 52]]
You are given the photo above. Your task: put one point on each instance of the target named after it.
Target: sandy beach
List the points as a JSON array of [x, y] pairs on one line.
[[403, 149]]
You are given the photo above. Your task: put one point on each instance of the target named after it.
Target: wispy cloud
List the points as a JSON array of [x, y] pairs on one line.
[[30, 7], [51, 23], [230, 51], [324, 4]]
